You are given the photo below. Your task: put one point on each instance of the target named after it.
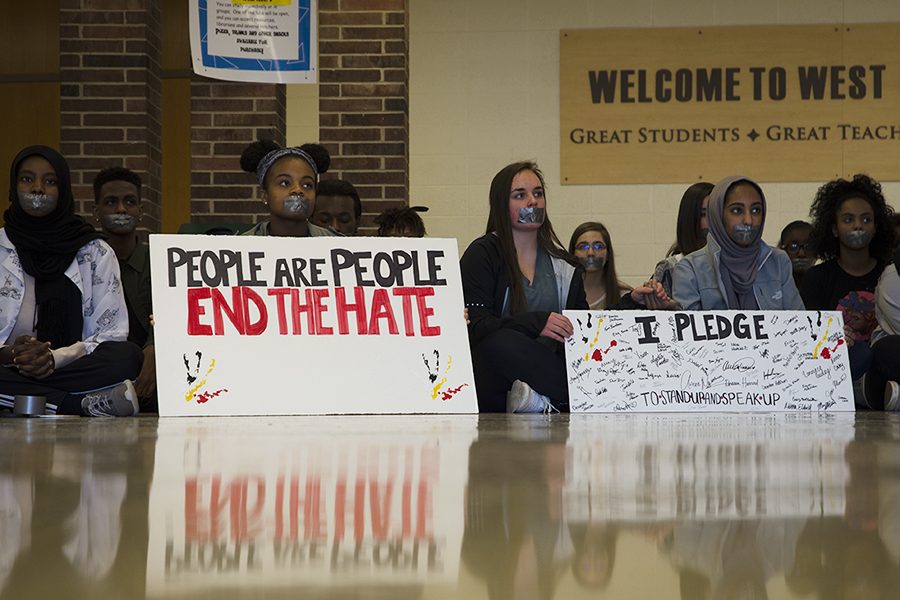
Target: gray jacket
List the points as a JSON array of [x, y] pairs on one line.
[[697, 284]]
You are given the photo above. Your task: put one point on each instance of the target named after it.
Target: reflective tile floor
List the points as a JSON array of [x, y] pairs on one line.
[[588, 506]]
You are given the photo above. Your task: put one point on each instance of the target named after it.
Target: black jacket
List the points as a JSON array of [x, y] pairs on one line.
[[486, 290]]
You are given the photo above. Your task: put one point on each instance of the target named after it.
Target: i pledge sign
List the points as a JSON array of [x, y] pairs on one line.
[[732, 361], [268, 325], [799, 103]]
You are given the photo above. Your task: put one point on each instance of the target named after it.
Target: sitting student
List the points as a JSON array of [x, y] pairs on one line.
[[736, 270], [795, 242], [852, 234], [401, 222], [882, 381], [690, 231], [591, 245], [517, 278], [63, 319], [118, 210], [337, 206], [288, 180]]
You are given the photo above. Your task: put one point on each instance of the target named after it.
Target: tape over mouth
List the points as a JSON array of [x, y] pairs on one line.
[[531, 214]]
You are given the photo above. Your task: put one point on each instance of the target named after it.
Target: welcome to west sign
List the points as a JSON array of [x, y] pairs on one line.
[[805, 103]]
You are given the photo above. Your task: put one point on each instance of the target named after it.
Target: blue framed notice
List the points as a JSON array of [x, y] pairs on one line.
[[267, 41]]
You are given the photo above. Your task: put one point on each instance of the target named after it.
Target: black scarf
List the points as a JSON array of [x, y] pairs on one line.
[[46, 247]]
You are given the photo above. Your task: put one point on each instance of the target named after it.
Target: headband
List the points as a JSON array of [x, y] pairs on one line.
[[269, 159]]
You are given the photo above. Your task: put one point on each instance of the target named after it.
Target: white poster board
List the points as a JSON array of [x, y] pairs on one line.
[[300, 502], [252, 325], [710, 361], [265, 41]]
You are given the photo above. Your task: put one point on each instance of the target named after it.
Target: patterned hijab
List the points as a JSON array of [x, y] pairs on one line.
[[46, 247], [738, 265]]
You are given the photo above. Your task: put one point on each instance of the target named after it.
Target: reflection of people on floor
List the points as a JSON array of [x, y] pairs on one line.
[[86, 517], [16, 502], [594, 554], [732, 559], [515, 538]]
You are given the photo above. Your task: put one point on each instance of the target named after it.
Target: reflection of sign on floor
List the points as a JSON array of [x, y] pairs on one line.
[[670, 467], [291, 505], [646, 361], [796, 103]]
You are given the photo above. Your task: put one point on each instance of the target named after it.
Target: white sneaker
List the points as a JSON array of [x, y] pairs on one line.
[[522, 399], [892, 396], [117, 401]]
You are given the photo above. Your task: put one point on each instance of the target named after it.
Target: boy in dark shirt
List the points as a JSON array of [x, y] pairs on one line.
[[118, 210]]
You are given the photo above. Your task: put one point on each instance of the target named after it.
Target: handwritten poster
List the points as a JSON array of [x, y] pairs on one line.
[[645, 361], [300, 502], [332, 325], [266, 41]]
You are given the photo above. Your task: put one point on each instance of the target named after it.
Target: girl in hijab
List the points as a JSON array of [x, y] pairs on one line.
[[288, 182], [63, 319], [517, 279], [736, 270]]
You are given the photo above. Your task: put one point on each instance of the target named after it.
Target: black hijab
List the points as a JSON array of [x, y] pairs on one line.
[[46, 247]]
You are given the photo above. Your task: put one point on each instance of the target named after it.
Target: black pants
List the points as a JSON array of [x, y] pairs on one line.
[[507, 355], [885, 367], [110, 363]]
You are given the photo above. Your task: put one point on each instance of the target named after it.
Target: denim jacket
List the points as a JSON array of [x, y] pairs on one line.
[[697, 284]]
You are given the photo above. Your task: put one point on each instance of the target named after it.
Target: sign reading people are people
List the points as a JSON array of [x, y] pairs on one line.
[[709, 361], [271, 325], [792, 103]]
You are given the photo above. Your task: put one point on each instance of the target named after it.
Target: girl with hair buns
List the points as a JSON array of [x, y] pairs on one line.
[[63, 319], [736, 270], [288, 179]]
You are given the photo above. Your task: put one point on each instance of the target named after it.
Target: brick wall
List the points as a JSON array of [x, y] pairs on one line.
[[225, 117], [110, 94], [363, 98]]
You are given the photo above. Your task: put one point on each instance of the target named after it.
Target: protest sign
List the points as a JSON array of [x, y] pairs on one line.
[[272, 325], [645, 361]]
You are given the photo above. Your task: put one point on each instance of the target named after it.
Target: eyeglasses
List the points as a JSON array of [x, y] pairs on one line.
[[584, 246], [797, 247]]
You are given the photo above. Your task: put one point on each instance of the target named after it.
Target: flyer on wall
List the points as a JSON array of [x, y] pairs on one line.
[[264, 41]]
